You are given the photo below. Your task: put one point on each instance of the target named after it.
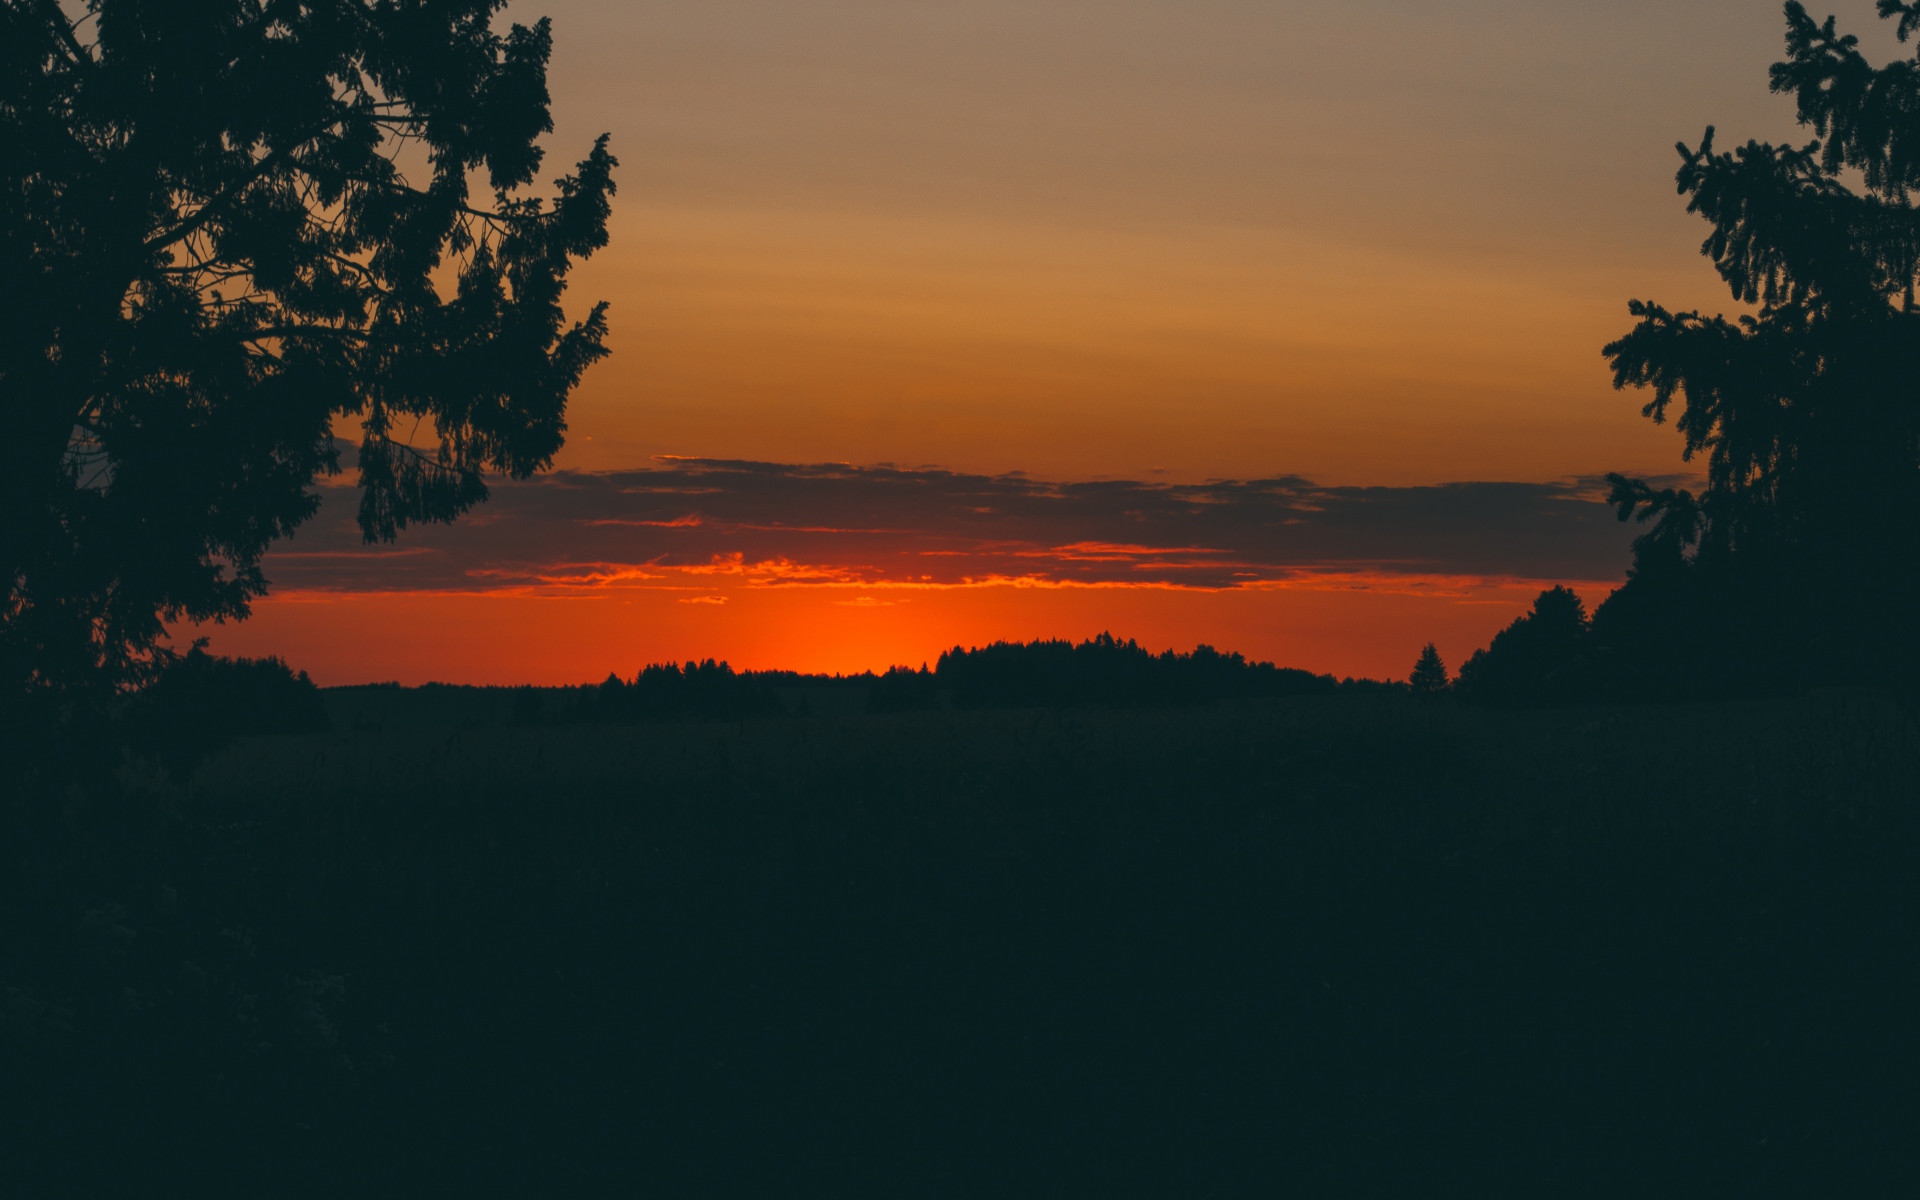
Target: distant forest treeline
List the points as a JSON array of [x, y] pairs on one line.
[[202, 701], [1102, 672], [1556, 655]]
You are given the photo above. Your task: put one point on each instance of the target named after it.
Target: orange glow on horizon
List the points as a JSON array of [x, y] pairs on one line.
[[1342, 626]]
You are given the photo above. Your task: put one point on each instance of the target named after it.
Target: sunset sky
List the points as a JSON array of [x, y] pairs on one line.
[[1202, 321]]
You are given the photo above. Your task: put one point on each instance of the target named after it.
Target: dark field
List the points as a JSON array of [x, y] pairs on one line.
[[1333, 945]]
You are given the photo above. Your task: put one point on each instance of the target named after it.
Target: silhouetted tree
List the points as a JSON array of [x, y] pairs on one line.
[[1536, 660], [1429, 678], [225, 224], [1802, 549]]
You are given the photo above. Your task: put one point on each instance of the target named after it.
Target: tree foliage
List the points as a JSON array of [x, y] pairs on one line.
[[226, 225], [1804, 408], [1538, 659]]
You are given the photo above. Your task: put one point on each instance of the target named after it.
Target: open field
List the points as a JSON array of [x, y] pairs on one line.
[[1335, 944]]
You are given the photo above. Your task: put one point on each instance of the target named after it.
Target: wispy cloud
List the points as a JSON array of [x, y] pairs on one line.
[[690, 521]]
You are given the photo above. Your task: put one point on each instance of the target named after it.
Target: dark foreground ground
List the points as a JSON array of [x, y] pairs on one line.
[[1347, 945]]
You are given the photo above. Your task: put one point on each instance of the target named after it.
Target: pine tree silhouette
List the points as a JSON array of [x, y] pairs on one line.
[[1804, 545], [1429, 678]]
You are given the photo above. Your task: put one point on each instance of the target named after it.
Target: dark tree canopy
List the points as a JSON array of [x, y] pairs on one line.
[[1806, 408], [224, 225], [1539, 659]]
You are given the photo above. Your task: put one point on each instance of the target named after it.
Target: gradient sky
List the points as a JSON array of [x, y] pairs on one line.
[[1148, 242]]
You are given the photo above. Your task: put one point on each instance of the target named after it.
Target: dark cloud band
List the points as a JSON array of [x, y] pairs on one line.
[[772, 524]]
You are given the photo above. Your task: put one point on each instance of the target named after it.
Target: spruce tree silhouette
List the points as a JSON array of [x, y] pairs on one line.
[[224, 224], [1429, 679], [1802, 550]]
